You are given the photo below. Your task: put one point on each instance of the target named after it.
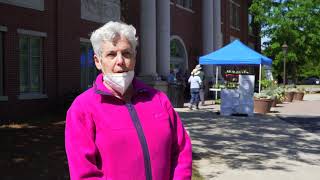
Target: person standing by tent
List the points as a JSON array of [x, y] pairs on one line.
[[195, 84], [200, 73]]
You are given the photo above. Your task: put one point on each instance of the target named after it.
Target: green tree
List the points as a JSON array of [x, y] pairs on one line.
[[296, 23]]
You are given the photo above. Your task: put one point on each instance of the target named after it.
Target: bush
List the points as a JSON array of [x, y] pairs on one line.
[[265, 83], [262, 95]]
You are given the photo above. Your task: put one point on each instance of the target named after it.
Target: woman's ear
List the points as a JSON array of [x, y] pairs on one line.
[[97, 62]]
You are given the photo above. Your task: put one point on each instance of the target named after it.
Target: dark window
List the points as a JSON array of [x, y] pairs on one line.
[[250, 24], [177, 59], [1, 66], [234, 15], [31, 75], [88, 68], [185, 3]]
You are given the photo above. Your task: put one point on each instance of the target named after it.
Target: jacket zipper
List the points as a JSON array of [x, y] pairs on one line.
[[142, 139]]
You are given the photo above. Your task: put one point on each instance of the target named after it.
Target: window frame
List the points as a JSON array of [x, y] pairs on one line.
[[41, 94], [30, 56], [3, 30], [1, 64], [38, 5], [182, 4], [234, 16]]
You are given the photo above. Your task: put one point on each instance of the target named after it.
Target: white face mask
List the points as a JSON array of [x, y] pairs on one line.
[[119, 81]]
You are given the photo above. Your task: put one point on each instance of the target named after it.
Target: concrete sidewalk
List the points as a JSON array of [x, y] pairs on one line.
[[259, 147], [310, 106], [303, 114]]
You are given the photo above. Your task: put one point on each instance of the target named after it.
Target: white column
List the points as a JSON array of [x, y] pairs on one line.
[[207, 31], [148, 37], [260, 69], [163, 37], [217, 37]]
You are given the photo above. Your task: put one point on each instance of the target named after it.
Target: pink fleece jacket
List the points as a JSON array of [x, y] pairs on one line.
[[109, 139]]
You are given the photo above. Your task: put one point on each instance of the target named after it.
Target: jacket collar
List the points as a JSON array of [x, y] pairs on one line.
[[100, 88]]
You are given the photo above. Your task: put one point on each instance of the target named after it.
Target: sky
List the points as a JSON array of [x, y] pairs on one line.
[[264, 39]]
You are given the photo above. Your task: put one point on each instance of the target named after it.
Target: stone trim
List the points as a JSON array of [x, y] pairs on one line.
[[31, 33], [3, 28], [85, 40], [32, 96], [3, 98]]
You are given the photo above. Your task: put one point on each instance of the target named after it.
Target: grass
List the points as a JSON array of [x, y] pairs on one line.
[[312, 88], [195, 174], [309, 86]]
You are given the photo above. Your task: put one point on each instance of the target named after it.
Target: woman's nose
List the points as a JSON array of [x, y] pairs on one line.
[[119, 59]]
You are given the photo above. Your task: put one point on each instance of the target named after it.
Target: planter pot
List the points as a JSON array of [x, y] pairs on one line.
[[288, 96], [274, 102], [176, 95], [298, 96], [262, 106]]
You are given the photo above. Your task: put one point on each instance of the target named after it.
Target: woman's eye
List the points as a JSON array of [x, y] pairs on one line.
[[111, 55], [126, 54]]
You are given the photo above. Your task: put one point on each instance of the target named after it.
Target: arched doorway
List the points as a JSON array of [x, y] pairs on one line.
[[179, 65], [178, 55]]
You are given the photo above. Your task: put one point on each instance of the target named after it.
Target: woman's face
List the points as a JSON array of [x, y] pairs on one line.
[[117, 56]]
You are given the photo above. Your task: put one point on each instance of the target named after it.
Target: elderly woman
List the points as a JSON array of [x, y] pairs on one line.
[[121, 128]]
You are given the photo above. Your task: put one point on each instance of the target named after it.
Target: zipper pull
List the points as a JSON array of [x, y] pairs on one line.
[[129, 106]]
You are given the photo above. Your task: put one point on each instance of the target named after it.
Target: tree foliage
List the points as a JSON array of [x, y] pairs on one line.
[[296, 23]]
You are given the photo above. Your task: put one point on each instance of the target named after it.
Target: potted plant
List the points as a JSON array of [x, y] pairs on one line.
[[262, 102], [272, 93], [289, 93], [279, 95], [299, 94], [272, 89]]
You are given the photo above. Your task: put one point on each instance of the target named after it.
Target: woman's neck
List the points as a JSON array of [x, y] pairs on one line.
[[126, 96]]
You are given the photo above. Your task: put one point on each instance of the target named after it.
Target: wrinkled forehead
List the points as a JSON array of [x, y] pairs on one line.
[[116, 38], [116, 43]]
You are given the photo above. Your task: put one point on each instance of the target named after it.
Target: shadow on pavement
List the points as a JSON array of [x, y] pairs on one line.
[[258, 142], [33, 150], [308, 123]]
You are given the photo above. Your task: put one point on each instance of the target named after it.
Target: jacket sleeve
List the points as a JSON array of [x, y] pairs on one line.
[[81, 150], [181, 162], [200, 81]]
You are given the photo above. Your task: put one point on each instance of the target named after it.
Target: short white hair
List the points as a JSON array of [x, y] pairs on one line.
[[109, 32]]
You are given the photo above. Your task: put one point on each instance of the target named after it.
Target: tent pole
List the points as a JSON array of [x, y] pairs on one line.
[[217, 72], [260, 79]]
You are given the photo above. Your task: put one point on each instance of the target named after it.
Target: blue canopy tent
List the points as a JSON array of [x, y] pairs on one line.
[[236, 53]]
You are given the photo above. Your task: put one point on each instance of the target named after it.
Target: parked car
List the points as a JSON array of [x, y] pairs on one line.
[[311, 80]]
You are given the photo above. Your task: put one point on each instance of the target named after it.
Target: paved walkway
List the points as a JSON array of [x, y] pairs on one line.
[[259, 147], [304, 114]]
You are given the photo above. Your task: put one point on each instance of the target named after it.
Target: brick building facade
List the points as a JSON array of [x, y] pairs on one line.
[[46, 53]]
